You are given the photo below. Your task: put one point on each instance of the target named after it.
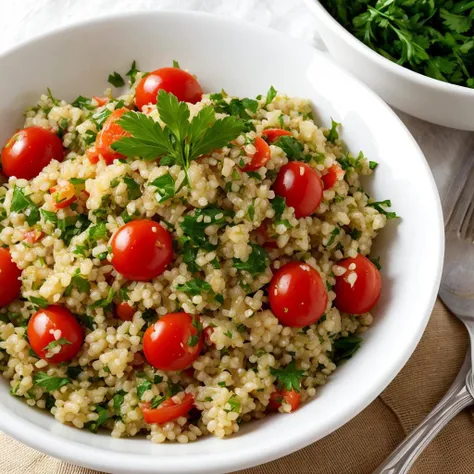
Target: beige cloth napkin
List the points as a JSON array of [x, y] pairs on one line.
[[363, 443]]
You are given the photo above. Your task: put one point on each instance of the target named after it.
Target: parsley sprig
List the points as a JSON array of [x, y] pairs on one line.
[[289, 377], [181, 140]]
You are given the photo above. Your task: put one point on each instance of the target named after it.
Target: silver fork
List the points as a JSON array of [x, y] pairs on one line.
[[457, 292]]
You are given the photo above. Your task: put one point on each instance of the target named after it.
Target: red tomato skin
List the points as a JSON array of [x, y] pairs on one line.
[[29, 151], [263, 238], [110, 133], [330, 178], [301, 186], [170, 79], [47, 320], [297, 295], [165, 343], [124, 311], [272, 134], [292, 397], [33, 236], [141, 250], [10, 283], [362, 296], [168, 410], [261, 156], [101, 100], [65, 194]]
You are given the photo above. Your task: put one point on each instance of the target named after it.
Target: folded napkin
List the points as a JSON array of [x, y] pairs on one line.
[[363, 443]]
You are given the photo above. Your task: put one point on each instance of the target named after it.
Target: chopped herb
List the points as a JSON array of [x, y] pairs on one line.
[[219, 298], [39, 301], [81, 284], [22, 203], [60, 342], [100, 118], [87, 320], [72, 226], [271, 94], [373, 165], [208, 399], [97, 232], [176, 64], [116, 79], [239, 108], [241, 328], [194, 287], [80, 250], [73, 371], [126, 216], [77, 181], [379, 206], [52, 98], [50, 402], [234, 404], [132, 73], [165, 187], [221, 384], [229, 334], [181, 141], [235, 174], [143, 387], [334, 234], [333, 134], [294, 149], [254, 175], [133, 188], [83, 103], [355, 234], [174, 388], [348, 161], [344, 348], [376, 262], [251, 211], [157, 401], [62, 127], [257, 262], [90, 137], [278, 205], [104, 416], [49, 382], [149, 315], [118, 400], [104, 302], [289, 377], [194, 339]]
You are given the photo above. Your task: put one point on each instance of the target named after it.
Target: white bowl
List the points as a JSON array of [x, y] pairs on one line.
[[242, 59], [421, 96]]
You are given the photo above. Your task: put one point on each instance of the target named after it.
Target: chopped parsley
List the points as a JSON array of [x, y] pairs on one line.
[[77, 181], [251, 211], [380, 205], [257, 262], [80, 283], [289, 377], [48, 382], [176, 64], [73, 371], [104, 416], [97, 232], [278, 205], [344, 348], [72, 226], [165, 187], [132, 73], [143, 387], [22, 203], [271, 94], [373, 165], [194, 287], [133, 188], [39, 301], [336, 231], [118, 400], [100, 118], [116, 79], [333, 134], [194, 339], [234, 404], [157, 401], [82, 103], [60, 342], [376, 262], [254, 175], [294, 149], [355, 234]]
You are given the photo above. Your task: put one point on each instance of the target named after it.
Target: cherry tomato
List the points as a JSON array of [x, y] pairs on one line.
[[10, 283], [29, 151], [273, 134], [167, 410], [51, 327], [170, 79], [301, 186], [141, 250], [63, 194], [101, 100], [331, 177], [292, 397], [124, 311], [260, 157], [358, 289], [263, 238], [110, 133], [297, 295], [173, 342], [33, 236]]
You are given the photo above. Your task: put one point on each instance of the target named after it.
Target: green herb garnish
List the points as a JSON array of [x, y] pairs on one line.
[[289, 377], [116, 79]]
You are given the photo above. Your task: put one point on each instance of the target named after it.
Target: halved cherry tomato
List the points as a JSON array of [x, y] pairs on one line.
[[141, 250], [10, 283], [170, 79], [173, 342], [260, 157], [358, 289], [168, 410], [63, 194], [263, 238], [124, 311], [301, 186], [292, 397], [110, 133], [101, 100], [297, 295], [273, 134], [29, 151], [330, 178], [52, 327], [33, 236]]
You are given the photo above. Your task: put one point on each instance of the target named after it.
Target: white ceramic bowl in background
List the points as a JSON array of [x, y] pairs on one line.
[[421, 96], [241, 59]]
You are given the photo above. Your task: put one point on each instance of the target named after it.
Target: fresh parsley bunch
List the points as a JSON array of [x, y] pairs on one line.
[[432, 37], [181, 140]]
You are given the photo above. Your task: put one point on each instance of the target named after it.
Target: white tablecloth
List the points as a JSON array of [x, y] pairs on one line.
[[23, 19]]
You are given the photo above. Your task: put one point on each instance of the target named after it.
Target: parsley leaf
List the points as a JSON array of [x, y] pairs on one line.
[[132, 73], [288, 377], [104, 416], [83, 103], [380, 205], [257, 262], [157, 401], [292, 148], [133, 188], [22, 203], [336, 231], [73, 371], [176, 64], [116, 79], [49, 382], [194, 287], [164, 187], [118, 400], [39, 301], [278, 204], [60, 342], [345, 347], [376, 262], [234, 404], [143, 387], [271, 94], [333, 134]]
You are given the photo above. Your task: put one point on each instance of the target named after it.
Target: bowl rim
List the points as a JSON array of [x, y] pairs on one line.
[[223, 461], [320, 11]]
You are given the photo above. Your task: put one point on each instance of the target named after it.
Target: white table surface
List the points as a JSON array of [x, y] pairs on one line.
[[23, 19]]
